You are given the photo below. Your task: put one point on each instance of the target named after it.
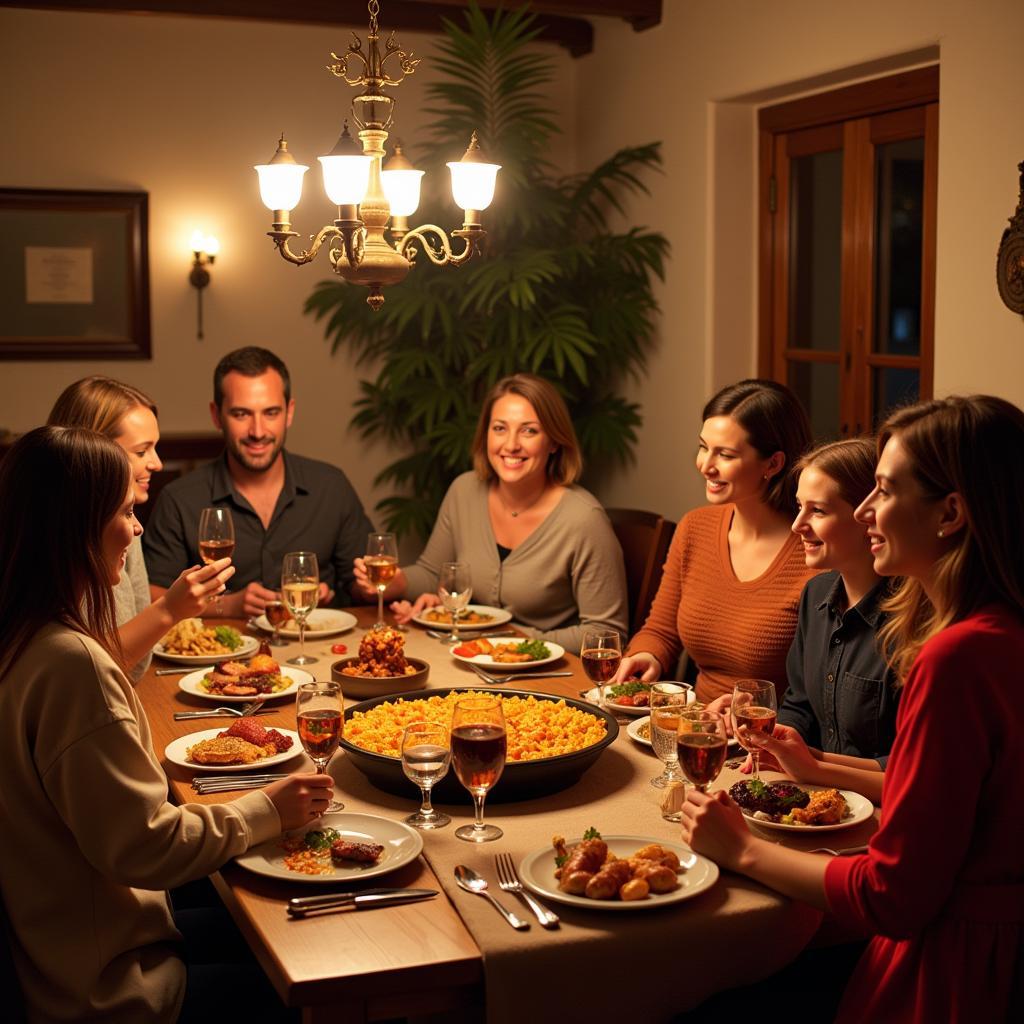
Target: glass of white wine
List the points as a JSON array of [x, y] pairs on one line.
[[426, 755], [455, 588], [216, 534], [754, 707], [381, 561], [300, 588]]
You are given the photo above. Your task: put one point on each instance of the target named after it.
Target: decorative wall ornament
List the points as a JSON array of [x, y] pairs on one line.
[[1010, 259]]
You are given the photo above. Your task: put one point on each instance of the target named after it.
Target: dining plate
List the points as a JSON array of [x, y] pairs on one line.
[[861, 808], [320, 623], [594, 696], [537, 871], [486, 662], [249, 645], [640, 731], [496, 617], [175, 752], [192, 685], [402, 845]]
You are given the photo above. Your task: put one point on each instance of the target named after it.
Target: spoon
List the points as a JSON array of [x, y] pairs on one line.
[[469, 880]]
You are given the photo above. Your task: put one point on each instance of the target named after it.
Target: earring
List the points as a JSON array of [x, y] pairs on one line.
[[942, 533], [766, 476]]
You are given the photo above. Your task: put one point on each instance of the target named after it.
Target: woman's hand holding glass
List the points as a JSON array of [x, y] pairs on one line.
[[190, 594], [714, 826], [300, 798]]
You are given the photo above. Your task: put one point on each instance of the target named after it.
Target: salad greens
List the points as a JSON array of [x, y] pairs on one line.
[[628, 689], [321, 839], [229, 637], [537, 649]]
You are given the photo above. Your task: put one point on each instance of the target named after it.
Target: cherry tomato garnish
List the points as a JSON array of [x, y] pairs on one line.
[[339, 649]]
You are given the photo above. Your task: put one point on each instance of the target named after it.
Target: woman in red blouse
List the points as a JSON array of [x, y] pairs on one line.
[[941, 887]]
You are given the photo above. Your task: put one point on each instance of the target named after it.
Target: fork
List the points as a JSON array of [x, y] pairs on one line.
[[508, 881], [848, 852], [498, 680]]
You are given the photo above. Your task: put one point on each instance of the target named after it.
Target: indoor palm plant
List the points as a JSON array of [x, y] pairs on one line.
[[557, 293]]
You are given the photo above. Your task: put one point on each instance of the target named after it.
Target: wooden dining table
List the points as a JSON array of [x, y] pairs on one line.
[[434, 957]]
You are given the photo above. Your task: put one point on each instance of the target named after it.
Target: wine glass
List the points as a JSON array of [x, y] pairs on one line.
[[277, 615], [381, 560], [601, 653], [216, 534], [300, 588], [754, 707], [455, 588], [667, 701], [426, 754], [701, 743], [320, 714], [478, 753]]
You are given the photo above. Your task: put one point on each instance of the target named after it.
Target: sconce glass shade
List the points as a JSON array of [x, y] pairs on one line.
[[473, 178], [198, 242], [281, 180], [211, 246]]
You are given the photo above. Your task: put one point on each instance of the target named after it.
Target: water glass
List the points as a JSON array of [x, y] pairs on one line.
[[426, 755]]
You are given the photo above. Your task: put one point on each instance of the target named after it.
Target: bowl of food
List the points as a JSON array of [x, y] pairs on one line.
[[381, 667], [574, 736]]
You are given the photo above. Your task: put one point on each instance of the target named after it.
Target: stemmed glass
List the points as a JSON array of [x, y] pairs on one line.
[[216, 534], [320, 713], [701, 744], [601, 653], [666, 704], [754, 707], [478, 753], [381, 560], [426, 754], [277, 616], [300, 588], [455, 588]]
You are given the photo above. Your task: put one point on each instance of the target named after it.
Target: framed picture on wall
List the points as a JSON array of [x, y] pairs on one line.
[[74, 275]]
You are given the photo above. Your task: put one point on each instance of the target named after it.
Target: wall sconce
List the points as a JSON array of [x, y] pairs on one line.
[[204, 252]]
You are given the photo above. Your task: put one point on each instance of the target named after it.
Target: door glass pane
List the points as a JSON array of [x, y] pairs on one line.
[[815, 250], [893, 386], [817, 387], [899, 169]]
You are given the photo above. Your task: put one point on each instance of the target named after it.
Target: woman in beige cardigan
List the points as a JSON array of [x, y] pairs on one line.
[[91, 840], [537, 544]]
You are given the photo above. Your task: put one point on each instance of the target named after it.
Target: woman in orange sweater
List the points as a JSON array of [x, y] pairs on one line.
[[735, 570]]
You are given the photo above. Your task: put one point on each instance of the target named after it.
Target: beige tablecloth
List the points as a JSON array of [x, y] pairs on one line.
[[644, 964]]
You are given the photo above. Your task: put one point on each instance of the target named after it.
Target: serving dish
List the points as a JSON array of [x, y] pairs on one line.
[[401, 846], [486, 662], [190, 684], [249, 645], [175, 752], [498, 617], [320, 623], [537, 871], [374, 686], [521, 780]]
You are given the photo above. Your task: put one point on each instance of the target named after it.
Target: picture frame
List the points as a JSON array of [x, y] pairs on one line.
[[74, 275]]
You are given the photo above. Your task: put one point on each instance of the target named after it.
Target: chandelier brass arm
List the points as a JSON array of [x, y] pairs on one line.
[[441, 253]]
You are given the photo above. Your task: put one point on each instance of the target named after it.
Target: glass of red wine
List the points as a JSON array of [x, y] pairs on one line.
[[320, 714], [277, 615], [478, 754], [701, 743], [754, 707], [601, 654]]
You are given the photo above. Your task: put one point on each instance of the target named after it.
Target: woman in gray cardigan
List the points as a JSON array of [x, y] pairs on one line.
[[537, 544]]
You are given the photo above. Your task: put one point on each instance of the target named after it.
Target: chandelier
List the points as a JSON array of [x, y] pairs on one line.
[[374, 197]]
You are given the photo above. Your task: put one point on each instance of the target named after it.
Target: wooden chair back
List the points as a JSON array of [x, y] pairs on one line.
[[644, 538]]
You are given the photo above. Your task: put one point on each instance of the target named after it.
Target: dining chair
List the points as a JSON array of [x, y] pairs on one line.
[[644, 538]]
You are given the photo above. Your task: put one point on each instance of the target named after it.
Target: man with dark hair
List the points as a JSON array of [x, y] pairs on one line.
[[280, 502]]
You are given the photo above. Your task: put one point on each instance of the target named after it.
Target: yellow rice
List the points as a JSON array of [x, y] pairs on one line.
[[536, 728]]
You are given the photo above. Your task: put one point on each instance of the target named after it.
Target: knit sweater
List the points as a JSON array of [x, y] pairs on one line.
[[732, 629]]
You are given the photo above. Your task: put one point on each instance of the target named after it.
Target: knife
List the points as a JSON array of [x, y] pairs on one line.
[[363, 900]]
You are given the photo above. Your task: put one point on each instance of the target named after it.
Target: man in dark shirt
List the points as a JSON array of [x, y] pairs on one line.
[[279, 502]]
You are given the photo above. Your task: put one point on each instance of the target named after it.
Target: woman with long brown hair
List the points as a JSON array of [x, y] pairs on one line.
[[537, 543], [942, 884], [91, 839], [734, 572], [127, 416]]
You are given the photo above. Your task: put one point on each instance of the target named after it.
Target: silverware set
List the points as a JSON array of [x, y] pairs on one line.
[[227, 783], [366, 899], [508, 881]]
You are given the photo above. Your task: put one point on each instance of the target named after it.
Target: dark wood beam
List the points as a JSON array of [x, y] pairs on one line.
[[561, 21]]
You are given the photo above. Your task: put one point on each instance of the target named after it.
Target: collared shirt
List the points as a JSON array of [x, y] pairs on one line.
[[841, 695], [317, 510]]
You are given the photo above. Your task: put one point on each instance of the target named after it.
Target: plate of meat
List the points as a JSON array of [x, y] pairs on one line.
[[341, 847], [237, 682], [609, 867], [245, 744], [786, 807]]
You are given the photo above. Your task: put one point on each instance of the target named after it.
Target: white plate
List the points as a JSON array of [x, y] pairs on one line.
[[401, 846], [190, 684], [499, 616], [861, 808], [594, 696], [485, 661], [175, 752], [320, 623], [538, 873], [250, 645], [637, 724]]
